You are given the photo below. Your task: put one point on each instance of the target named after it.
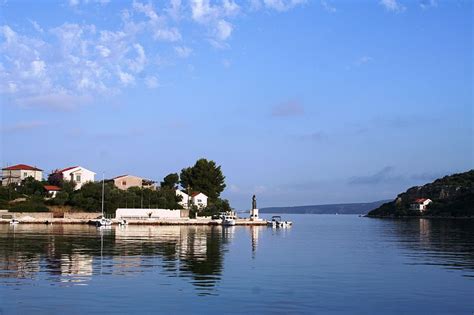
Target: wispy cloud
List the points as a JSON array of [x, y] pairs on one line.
[[426, 4], [314, 136], [392, 5], [23, 126], [288, 109], [383, 175], [363, 60], [328, 7]]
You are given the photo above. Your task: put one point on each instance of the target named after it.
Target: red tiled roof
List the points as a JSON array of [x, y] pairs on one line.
[[21, 167], [120, 176], [65, 169], [51, 188], [194, 194], [420, 200]]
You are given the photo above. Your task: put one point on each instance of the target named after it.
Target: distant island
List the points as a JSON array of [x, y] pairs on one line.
[[450, 196], [341, 208]]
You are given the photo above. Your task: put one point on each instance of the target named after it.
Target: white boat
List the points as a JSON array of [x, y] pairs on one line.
[[14, 221], [277, 222], [103, 221], [228, 220]]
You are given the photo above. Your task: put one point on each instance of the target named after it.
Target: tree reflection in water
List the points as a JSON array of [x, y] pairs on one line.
[[444, 242], [73, 254]]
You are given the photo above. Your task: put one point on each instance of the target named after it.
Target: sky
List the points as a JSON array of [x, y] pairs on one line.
[[300, 102]]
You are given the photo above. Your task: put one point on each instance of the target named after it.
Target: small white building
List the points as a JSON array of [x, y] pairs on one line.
[[197, 198], [16, 173], [184, 198], [52, 190], [420, 204], [78, 174]]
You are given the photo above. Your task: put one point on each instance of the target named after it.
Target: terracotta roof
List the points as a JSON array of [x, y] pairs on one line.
[[120, 176], [194, 194], [51, 188], [21, 167], [65, 169], [420, 200]]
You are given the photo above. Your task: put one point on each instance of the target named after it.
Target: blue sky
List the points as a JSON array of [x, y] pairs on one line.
[[301, 102]]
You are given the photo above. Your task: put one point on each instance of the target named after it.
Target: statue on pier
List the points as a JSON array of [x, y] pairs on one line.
[[254, 202], [254, 210]]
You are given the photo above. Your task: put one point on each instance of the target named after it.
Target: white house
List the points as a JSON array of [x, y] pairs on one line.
[[420, 204], [52, 190], [78, 174], [16, 173], [199, 199], [196, 198], [184, 200]]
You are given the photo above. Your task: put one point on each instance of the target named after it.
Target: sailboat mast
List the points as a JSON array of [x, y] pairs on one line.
[[103, 185]]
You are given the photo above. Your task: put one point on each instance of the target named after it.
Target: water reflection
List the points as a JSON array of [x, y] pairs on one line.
[[444, 242], [73, 254]]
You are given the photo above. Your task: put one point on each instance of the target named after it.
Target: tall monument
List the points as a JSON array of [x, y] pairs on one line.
[[254, 211]]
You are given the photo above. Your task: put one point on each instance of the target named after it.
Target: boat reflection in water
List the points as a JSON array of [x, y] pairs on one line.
[[73, 254]]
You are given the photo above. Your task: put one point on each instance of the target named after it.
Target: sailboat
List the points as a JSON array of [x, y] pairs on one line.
[[103, 221]]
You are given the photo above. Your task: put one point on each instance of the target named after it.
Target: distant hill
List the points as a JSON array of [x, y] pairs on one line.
[[341, 208], [452, 196]]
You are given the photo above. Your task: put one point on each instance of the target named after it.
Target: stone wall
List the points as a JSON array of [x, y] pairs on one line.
[[184, 213], [20, 215], [82, 215]]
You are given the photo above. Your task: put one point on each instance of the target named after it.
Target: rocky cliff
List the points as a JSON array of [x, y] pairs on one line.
[[451, 195]]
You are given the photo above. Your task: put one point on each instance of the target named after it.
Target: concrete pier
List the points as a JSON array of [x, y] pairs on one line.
[[183, 221]]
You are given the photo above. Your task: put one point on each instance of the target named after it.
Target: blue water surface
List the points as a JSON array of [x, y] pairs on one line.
[[324, 264]]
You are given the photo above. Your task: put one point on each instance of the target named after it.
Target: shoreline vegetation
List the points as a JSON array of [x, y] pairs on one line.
[[204, 176], [452, 197]]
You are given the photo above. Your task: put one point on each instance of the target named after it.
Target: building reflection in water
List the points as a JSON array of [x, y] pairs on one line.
[[74, 254]]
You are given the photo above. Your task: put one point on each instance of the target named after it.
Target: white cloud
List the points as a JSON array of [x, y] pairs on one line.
[[426, 4], [223, 30], [363, 60], [126, 78], [72, 63], [23, 126], [392, 5], [152, 82], [282, 5], [137, 65], [328, 7], [36, 26], [183, 51], [174, 9], [170, 34]]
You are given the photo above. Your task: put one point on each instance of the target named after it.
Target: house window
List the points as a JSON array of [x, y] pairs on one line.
[[199, 200], [25, 174], [124, 183], [78, 178]]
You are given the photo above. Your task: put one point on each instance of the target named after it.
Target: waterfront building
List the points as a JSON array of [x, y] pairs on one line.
[[16, 173], [420, 204], [52, 190], [124, 182], [197, 198], [80, 175]]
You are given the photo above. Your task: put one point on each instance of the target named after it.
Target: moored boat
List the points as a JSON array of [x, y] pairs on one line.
[[277, 222]]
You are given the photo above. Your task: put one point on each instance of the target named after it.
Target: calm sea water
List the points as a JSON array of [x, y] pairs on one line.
[[324, 264]]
